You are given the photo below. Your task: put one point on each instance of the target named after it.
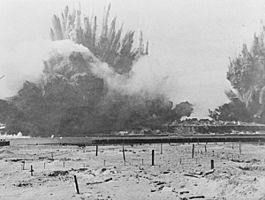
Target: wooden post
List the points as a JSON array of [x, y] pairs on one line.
[[31, 170], [76, 185], [161, 148], [123, 153], [23, 164], [96, 150], [213, 152], [192, 152], [180, 161], [205, 148], [153, 157], [212, 164]]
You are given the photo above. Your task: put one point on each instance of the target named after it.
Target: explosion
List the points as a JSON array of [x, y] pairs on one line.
[[93, 83]]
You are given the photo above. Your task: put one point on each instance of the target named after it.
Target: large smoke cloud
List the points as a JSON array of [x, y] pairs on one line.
[[26, 62], [62, 88]]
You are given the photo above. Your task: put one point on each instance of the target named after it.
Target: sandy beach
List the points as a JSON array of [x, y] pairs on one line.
[[175, 174]]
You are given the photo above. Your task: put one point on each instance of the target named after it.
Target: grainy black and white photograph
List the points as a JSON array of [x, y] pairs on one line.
[[132, 99]]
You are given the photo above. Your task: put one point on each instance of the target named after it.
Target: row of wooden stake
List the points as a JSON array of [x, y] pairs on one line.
[[124, 158], [161, 151], [153, 154]]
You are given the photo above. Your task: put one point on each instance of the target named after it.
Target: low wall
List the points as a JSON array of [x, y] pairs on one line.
[[180, 139]]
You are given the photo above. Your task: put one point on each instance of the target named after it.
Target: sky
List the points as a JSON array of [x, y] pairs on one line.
[[190, 40]]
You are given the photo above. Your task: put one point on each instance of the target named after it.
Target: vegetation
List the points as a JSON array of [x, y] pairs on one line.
[[246, 74], [233, 111]]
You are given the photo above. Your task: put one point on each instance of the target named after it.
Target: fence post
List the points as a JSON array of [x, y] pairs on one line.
[[212, 164], [24, 163], [76, 185], [31, 170], [123, 153], [96, 150], [153, 157], [192, 153]]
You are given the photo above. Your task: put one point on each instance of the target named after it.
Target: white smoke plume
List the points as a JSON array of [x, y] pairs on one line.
[[26, 62], [141, 79]]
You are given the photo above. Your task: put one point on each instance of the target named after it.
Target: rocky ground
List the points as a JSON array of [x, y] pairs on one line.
[[175, 174]]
